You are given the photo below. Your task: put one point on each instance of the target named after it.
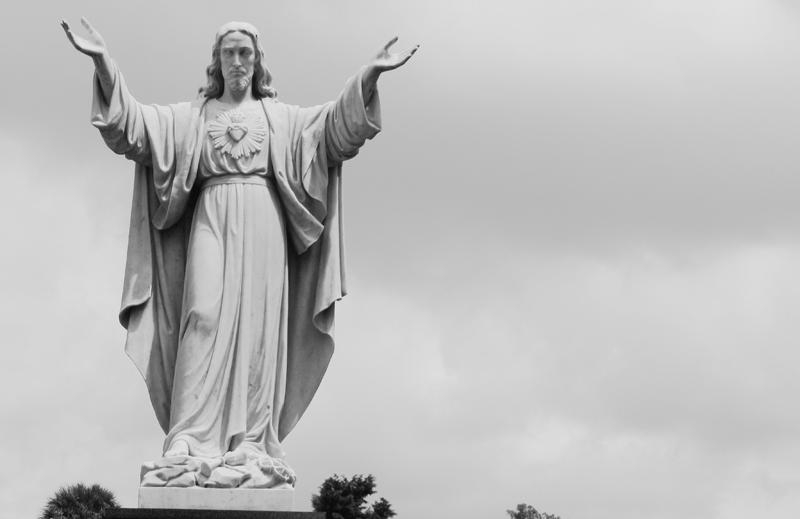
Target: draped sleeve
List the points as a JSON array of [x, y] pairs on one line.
[[351, 121], [120, 119], [162, 139]]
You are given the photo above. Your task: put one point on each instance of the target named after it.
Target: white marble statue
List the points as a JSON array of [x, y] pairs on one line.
[[235, 253]]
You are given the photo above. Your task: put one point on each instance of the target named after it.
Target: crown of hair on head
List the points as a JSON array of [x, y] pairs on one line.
[[237, 26]]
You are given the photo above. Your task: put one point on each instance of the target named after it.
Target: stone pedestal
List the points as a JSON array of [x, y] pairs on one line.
[[158, 513], [195, 498]]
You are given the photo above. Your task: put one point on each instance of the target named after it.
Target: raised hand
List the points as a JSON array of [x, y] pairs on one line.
[[91, 45], [385, 60], [382, 62]]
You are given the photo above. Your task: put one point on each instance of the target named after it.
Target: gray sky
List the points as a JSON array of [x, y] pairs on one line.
[[574, 253]]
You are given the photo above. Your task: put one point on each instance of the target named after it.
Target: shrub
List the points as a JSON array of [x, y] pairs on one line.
[[79, 502], [345, 498]]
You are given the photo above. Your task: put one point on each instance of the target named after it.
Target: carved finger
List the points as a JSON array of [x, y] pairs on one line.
[[403, 61], [391, 42], [65, 26], [70, 36], [407, 56]]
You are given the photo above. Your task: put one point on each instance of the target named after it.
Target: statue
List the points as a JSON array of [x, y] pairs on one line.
[[235, 256]]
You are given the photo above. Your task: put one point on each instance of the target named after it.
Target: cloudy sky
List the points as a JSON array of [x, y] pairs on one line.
[[574, 253]]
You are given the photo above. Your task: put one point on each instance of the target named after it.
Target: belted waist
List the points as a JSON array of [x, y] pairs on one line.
[[235, 179]]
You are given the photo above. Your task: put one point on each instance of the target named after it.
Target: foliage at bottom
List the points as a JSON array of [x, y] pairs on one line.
[[79, 502], [526, 511], [346, 498]]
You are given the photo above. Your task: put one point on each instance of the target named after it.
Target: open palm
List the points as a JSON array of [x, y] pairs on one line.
[[91, 45], [385, 60]]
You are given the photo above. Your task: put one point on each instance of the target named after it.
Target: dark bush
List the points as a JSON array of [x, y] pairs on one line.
[[345, 498], [79, 502]]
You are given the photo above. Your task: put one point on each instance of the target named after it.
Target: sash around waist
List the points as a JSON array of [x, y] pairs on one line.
[[257, 180]]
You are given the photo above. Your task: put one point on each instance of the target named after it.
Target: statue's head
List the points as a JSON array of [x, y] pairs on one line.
[[237, 62]]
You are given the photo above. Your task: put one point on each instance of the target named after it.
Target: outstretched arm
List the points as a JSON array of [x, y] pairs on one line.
[[115, 112], [381, 63], [93, 46], [355, 116]]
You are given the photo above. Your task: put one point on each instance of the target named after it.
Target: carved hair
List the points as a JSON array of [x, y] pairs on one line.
[[261, 76]]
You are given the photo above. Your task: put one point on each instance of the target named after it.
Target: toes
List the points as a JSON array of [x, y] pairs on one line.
[[235, 457], [178, 448]]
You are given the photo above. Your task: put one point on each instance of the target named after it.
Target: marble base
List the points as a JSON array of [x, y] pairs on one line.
[[157, 513], [196, 498]]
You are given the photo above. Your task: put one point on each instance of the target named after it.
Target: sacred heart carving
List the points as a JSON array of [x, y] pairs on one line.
[[237, 131], [238, 134]]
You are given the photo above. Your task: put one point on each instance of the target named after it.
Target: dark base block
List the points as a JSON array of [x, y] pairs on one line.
[[165, 513]]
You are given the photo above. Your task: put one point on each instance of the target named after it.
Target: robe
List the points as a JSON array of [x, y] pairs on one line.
[[307, 147]]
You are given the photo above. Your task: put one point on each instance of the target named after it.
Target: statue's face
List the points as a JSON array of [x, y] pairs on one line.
[[237, 60]]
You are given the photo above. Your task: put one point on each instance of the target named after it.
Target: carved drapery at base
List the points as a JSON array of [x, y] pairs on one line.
[[191, 471]]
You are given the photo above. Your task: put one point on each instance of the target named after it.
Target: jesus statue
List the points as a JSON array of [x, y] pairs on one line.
[[235, 253]]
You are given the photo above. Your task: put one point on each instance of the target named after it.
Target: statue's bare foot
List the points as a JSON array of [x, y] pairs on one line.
[[244, 452], [237, 456], [178, 448]]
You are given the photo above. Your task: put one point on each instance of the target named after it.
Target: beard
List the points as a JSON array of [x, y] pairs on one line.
[[239, 84]]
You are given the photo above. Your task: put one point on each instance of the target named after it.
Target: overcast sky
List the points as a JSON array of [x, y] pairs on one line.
[[573, 253]]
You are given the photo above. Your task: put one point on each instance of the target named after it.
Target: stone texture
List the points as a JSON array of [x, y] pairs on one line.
[[155, 513], [246, 471], [216, 498]]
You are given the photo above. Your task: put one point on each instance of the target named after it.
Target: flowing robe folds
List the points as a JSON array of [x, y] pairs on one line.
[[307, 147]]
